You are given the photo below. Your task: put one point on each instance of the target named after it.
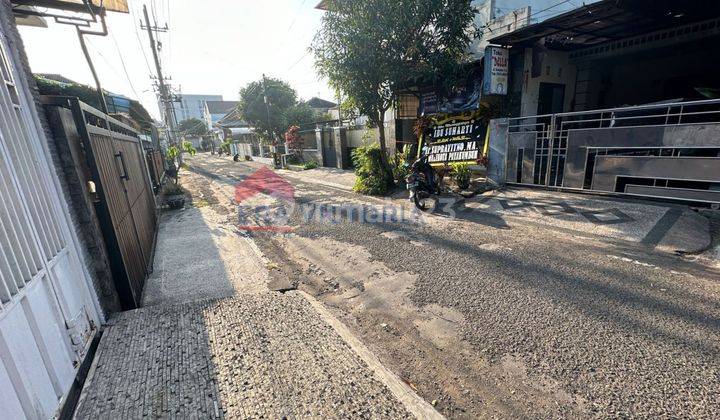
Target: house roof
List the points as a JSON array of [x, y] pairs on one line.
[[608, 20], [316, 102], [232, 119], [221, 107]]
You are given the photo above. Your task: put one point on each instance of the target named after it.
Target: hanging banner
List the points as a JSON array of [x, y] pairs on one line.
[[454, 138], [496, 71]]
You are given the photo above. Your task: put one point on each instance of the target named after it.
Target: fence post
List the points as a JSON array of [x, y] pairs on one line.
[[497, 151], [550, 149], [319, 145], [341, 147]]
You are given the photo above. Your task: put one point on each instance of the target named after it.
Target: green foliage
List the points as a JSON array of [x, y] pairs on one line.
[[371, 178], [172, 153], [89, 95], [193, 127], [348, 110], [188, 148], [281, 98], [323, 116], [299, 114], [225, 147], [368, 49], [461, 173], [398, 164], [310, 165], [293, 160]]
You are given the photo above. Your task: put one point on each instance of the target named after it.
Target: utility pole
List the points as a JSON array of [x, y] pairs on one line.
[[166, 96], [267, 107]]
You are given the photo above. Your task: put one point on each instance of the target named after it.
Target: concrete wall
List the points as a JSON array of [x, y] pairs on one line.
[[556, 68], [496, 26], [358, 137]]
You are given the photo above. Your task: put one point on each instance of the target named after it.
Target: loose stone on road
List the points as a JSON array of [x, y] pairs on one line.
[[526, 304], [213, 342]]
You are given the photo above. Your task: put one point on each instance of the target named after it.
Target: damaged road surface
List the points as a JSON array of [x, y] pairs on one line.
[[491, 315], [214, 340], [499, 313]]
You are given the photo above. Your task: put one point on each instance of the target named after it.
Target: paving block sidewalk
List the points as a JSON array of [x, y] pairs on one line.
[[266, 355]]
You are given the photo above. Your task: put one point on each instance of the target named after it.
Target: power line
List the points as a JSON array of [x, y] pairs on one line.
[[297, 13], [142, 47], [299, 60], [122, 61], [169, 34], [548, 8]]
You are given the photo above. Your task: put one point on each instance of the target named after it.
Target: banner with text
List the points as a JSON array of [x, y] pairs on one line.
[[496, 71], [454, 138]]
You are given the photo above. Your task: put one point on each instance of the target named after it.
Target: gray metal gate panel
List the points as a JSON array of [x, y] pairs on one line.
[[655, 142]]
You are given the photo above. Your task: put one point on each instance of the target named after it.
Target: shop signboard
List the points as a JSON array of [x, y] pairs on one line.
[[496, 71], [454, 138]]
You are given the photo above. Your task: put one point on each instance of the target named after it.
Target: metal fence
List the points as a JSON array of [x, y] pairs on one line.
[[156, 167], [666, 150]]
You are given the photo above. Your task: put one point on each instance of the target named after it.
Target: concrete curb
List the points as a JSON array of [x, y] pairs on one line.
[[413, 403]]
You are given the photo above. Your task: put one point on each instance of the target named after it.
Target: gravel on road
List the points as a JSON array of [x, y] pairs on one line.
[[596, 328]]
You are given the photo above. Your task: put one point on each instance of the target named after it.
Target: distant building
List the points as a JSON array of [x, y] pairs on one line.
[[191, 106], [321, 106], [214, 111]]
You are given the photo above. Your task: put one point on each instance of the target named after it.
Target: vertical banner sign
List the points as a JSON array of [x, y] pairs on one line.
[[454, 138], [496, 71]]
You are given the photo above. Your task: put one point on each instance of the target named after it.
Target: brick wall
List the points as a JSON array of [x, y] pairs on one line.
[[73, 188]]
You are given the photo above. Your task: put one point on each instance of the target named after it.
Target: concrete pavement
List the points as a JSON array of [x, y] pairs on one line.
[[253, 356]]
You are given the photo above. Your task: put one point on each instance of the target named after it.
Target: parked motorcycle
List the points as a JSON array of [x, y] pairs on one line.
[[421, 182]]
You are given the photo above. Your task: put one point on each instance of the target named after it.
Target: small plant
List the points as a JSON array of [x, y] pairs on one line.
[[461, 173], [172, 153], [174, 195], [310, 165], [225, 147], [188, 148], [173, 189], [398, 164], [294, 141], [371, 178], [292, 160]]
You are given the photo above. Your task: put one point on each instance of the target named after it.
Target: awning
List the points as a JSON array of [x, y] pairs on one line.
[[609, 20]]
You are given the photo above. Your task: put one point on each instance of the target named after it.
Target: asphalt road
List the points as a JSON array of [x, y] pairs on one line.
[[485, 317]]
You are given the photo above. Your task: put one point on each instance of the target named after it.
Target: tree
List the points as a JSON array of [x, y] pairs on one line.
[[89, 96], [299, 114], [194, 127], [369, 49], [269, 120]]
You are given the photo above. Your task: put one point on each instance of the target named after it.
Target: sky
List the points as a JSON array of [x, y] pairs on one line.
[[212, 47]]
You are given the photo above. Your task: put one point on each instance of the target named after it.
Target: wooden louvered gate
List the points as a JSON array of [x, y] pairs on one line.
[[126, 203]]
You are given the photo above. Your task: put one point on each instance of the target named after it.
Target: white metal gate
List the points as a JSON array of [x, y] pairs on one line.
[[48, 313]]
